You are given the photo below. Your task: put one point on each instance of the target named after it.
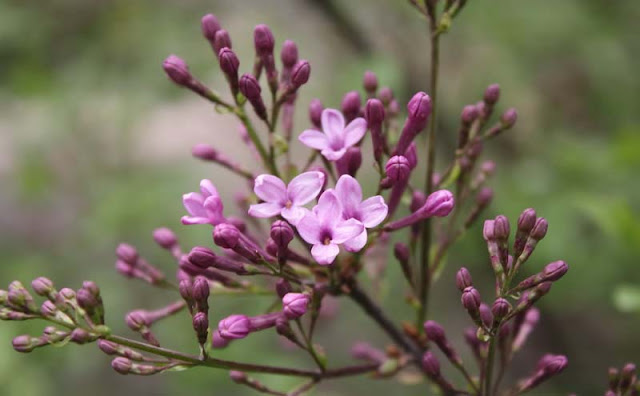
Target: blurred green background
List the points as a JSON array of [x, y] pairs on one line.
[[94, 150]]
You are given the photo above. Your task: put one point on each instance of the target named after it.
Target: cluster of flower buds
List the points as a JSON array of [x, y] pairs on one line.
[[623, 381]]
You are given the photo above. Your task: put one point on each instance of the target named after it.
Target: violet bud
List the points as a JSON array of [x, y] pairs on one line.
[[300, 74], [221, 40], [434, 331], [627, 377], [289, 54], [122, 365], [238, 376], [463, 279], [370, 82], [350, 162], [226, 236], [431, 365], [86, 300], [398, 168], [124, 269], [201, 326], [217, 342], [500, 308], [283, 287], [250, 88], [419, 108], [484, 197], [23, 344], [539, 229], [492, 94], [548, 366], [204, 152], [401, 252], [177, 70], [469, 114], [385, 95], [272, 248], [412, 155], [210, 25], [501, 228], [351, 105], [527, 220], [282, 234], [165, 237], [555, 270], [202, 257], [108, 347], [263, 40], [488, 231], [42, 286], [295, 304], [315, 112], [485, 315], [48, 309], [80, 336], [186, 289], [364, 351], [439, 203], [229, 65], [471, 299], [201, 290], [127, 253], [508, 118], [136, 320], [234, 327]]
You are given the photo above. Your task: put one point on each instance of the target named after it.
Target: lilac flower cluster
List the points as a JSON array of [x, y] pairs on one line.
[[313, 209]]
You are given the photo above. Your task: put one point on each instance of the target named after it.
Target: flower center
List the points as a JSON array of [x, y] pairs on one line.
[[289, 204], [326, 241]]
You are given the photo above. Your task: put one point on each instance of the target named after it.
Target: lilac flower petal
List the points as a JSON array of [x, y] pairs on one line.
[[349, 193], [207, 188], [189, 220], [309, 228], [305, 187], [329, 210], [213, 207], [294, 214], [332, 123], [356, 243], [314, 139], [354, 132], [346, 230], [264, 210], [325, 254], [333, 155], [270, 189], [193, 203], [373, 211]]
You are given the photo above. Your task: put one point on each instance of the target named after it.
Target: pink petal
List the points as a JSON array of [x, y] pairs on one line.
[[333, 155], [349, 193], [356, 243], [270, 189], [329, 210], [373, 211], [208, 189], [346, 230], [354, 131], [189, 220], [294, 214], [332, 123], [193, 203], [325, 254], [314, 139], [309, 228], [264, 210], [213, 206], [305, 187]]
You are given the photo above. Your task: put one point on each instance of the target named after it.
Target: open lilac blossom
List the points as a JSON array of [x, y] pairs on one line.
[[370, 212], [325, 228], [286, 200], [335, 138], [204, 207]]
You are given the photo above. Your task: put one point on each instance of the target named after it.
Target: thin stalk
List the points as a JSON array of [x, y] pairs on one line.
[[489, 367], [266, 158]]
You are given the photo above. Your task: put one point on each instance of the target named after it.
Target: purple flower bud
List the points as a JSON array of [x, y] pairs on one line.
[[177, 70], [86, 300], [555, 270], [539, 229], [124, 269], [23, 343], [42, 286], [127, 253], [315, 113], [186, 289], [165, 237], [136, 320], [201, 326], [508, 118], [201, 290], [492, 94], [281, 234], [412, 155], [226, 236], [484, 197], [229, 65], [300, 74], [488, 230], [469, 114], [67, 294], [266, 321], [435, 332], [374, 114], [108, 347], [401, 252], [430, 365], [289, 54], [501, 228], [350, 162], [80, 336], [471, 299], [351, 105], [210, 26], [500, 308], [217, 342], [527, 220], [295, 304], [439, 203], [385, 95], [419, 108], [370, 82], [463, 279], [485, 315], [122, 365], [234, 327], [263, 40], [283, 287], [250, 88], [48, 309], [398, 168], [204, 152], [628, 376], [238, 376], [364, 351], [202, 257], [221, 40]]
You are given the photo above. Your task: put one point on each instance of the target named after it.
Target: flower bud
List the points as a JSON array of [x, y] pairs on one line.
[[501, 228], [42, 286], [201, 290], [351, 105], [439, 203], [539, 229], [282, 234], [364, 351], [122, 365], [221, 40], [500, 308], [315, 112], [300, 74], [419, 108], [229, 65], [469, 114], [186, 289], [165, 237], [238, 376], [108, 347], [234, 327], [136, 320], [226, 236], [527, 220], [397, 168], [283, 287], [263, 40], [385, 95], [488, 232], [370, 82], [350, 162], [508, 118], [48, 309], [177, 70], [627, 377], [555, 270], [492, 94], [295, 304], [210, 25], [217, 342], [471, 299], [127, 253], [201, 326], [463, 279], [24, 344], [485, 315], [67, 294], [80, 336], [250, 88], [86, 300], [430, 365], [289, 54], [434, 331]]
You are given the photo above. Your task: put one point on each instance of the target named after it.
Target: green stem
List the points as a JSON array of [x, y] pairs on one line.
[[489, 363], [266, 158]]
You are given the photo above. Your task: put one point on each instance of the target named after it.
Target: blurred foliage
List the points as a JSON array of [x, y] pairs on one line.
[[83, 168]]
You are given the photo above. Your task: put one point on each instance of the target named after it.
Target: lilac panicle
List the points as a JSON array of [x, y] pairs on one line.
[[370, 83], [286, 200], [250, 88], [439, 204], [350, 105], [374, 114], [419, 108], [234, 327], [295, 304], [335, 138]]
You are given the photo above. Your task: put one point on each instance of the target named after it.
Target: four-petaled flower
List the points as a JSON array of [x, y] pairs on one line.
[[325, 228], [370, 212], [204, 207], [335, 138], [288, 201]]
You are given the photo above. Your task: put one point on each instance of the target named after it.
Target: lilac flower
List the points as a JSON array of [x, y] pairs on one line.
[[335, 138], [284, 200], [204, 207], [370, 212], [325, 228]]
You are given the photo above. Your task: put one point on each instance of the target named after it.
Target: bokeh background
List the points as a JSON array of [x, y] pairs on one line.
[[95, 149]]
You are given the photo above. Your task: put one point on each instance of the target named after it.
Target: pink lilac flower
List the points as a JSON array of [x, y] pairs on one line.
[[370, 212], [325, 228], [288, 201], [335, 138], [204, 207]]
